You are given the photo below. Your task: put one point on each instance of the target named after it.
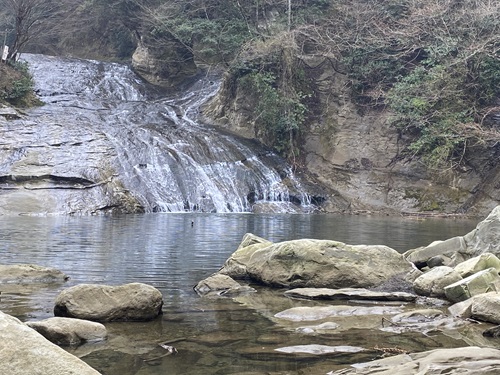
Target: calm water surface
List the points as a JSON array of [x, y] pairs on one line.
[[173, 252]]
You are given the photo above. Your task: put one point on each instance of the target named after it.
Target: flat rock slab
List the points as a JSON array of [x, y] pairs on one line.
[[69, 331], [319, 349], [311, 313], [468, 360], [30, 273], [349, 294], [105, 303], [24, 351]]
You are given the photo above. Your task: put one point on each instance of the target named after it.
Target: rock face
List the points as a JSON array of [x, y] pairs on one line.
[[104, 303], [166, 65], [69, 331], [30, 273], [23, 351], [467, 360], [321, 264], [342, 147]]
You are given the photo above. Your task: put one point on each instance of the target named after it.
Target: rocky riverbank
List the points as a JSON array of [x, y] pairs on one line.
[[375, 287]]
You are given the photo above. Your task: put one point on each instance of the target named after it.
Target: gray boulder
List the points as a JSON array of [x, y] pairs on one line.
[[69, 331], [486, 237], [236, 265], [30, 273], [320, 264], [104, 303], [442, 249], [24, 351], [468, 360], [481, 282], [433, 282], [220, 285]]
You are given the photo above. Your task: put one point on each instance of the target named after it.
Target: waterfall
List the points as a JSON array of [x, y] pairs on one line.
[[156, 145]]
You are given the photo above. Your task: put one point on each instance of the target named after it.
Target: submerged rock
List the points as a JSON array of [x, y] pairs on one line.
[[311, 313], [24, 351], [360, 294], [467, 360], [30, 273], [104, 303], [69, 331]]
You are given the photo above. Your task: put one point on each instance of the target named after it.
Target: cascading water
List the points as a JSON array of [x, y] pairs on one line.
[[155, 150]]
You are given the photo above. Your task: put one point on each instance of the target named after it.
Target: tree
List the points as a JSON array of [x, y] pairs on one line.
[[25, 19]]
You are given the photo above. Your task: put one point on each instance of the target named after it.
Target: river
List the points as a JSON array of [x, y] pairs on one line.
[[173, 252]]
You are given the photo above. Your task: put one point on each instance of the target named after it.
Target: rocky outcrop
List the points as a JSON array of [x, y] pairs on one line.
[[30, 273], [166, 65], [104, 303], [342, 145], [467, 360], [319, 264], [69, 331], [24, 351]]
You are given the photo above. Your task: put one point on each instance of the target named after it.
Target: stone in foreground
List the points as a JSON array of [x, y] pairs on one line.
[[105, 303], [69, 331], [468, 360], [30, 273], [359, 294], [486, 307], [23, 351]]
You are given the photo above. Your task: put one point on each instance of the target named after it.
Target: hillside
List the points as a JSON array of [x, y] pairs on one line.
[[393, 105]]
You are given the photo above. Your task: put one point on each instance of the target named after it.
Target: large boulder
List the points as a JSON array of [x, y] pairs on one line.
[[468, 360], [324, 264], [236, 265], [30, 273], [433, 282], [69, 331], [24, 351], [485, 238], [104, 303]]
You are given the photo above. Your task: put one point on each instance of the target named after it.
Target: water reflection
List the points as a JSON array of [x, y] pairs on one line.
[[173, 252]]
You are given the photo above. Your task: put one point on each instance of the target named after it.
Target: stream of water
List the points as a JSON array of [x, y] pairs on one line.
[[173, 252]]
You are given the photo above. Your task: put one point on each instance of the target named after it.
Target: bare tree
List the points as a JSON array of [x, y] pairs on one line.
[[26, 17]]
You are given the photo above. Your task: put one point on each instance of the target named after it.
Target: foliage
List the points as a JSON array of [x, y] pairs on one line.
[[18, 84]]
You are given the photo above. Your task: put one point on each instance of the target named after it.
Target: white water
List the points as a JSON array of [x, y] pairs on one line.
[[158, 148]]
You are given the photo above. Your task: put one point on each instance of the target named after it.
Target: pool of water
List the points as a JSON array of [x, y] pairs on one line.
[[173, 252]]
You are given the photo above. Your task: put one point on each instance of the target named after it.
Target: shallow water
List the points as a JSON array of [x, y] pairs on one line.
[[173, 252]]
